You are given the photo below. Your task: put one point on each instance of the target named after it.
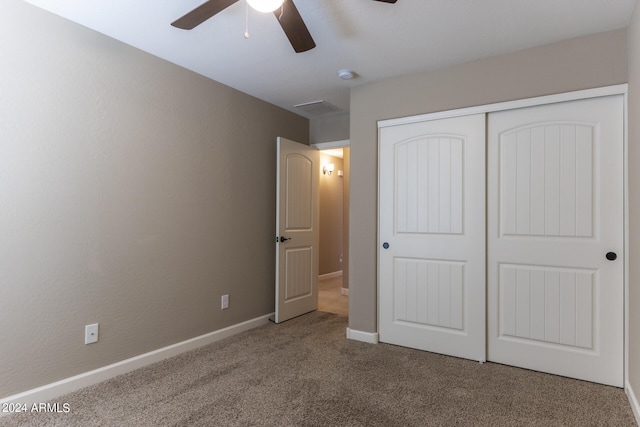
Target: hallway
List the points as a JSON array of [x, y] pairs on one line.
[[330, 298]]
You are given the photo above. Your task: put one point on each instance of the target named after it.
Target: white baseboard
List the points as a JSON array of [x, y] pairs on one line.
[[345, 291], [633, 401], [67, 385], [330, 275], [368, 337]]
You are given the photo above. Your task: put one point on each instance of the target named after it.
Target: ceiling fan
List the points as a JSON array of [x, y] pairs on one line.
[[288, 16]]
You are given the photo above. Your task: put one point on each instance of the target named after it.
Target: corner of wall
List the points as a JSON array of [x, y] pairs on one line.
[[633, 128]]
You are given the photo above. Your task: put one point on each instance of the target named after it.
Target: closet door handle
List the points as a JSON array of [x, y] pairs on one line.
[[385, 245], [611, 256]]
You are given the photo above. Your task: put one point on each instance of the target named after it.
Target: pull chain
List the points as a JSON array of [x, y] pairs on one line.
[[246, 21]]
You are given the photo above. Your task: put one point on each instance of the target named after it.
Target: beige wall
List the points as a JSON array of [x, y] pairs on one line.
[[346, 159], [634, 199], [133, 193], [331, 216], [586, 62]]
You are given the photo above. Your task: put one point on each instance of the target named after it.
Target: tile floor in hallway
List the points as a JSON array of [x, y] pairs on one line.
[[330, 298]]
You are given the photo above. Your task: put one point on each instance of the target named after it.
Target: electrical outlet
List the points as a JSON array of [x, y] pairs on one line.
[[91, 333], [224, 302]]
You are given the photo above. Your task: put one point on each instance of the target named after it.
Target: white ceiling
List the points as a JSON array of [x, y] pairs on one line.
[[377, 40]]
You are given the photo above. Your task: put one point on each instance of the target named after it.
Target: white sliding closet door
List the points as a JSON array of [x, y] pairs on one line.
[[555, 225], [432, 236]]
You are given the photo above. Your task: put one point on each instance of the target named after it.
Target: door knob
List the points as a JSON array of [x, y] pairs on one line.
[[611, 256], [284, 239], [385, 245]]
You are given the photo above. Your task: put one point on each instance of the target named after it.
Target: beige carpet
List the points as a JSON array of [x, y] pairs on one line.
[[305, 373]]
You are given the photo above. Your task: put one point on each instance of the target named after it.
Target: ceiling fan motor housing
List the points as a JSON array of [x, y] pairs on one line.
[[289, 18]]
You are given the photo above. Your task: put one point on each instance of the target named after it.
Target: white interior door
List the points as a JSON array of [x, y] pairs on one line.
[[296, 230], [432, 236], [555, 210]]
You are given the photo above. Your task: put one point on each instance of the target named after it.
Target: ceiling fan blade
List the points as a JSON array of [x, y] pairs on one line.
[[294, 27], [387, 1], [201, 13]]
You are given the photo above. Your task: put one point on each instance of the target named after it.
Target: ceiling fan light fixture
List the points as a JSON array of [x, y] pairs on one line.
[[265, 6]]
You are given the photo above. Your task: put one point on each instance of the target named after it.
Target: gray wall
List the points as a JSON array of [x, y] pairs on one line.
[[133, 193], [331, 189], [586, 62], [634, 199], [329, 128]]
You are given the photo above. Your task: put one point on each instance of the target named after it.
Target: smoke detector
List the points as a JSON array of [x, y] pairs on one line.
[[347, 74]]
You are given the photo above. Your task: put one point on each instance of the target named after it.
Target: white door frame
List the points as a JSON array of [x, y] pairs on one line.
[[343, 143], [621, 89]]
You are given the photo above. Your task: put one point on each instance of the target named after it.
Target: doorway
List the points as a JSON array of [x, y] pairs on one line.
[[333, 289]]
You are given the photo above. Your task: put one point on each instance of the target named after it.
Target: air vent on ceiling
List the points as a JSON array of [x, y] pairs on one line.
[[317, 108]]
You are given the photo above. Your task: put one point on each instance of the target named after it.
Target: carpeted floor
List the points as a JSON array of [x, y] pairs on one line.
[[304, 372]]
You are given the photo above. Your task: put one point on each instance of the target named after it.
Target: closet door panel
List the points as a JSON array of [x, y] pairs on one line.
[[432, 236], [555, 209]]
